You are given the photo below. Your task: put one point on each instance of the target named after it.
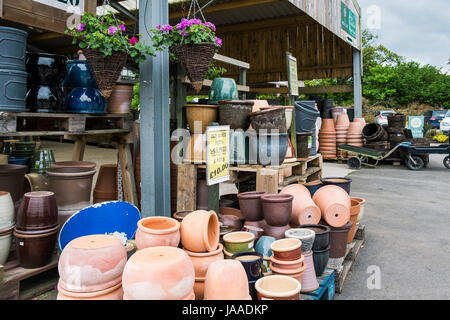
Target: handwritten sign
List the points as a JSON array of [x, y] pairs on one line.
[[292, 75], [217, 154]]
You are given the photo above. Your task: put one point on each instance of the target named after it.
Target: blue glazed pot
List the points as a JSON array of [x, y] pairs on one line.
[[79, 75], [344, 183], [223, 89], [86, 100], [13, 160], [313, 186], [263, 245]]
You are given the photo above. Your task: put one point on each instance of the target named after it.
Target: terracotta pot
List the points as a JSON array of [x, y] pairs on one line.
[[361, 121], [72, 186], [7, 219], [11, 179], [231, 220], [204, 114], [235, 113], [277, 209], [250, 204], [304, 210], [334, 204], [269, 119], [199, 288], [113, 293], [180, 215], [219, 277], [309, 280], [338, 240], [287, 249], [354, 212], [120, 99], [92, 263], [157, 231], [238, 241], [37, 211], [200, 231], [260, 104], [322, 236], [202, 260], [106, 184], [342, 120], [252, 263], [327, 126], [158, 273], [76, 164], [293, 273], [278, 287], [289, 264], [258, 232], [362, 203], [5, 245], [355, 128], [306, 236], [35, 250], [276, 232], [320, 259]]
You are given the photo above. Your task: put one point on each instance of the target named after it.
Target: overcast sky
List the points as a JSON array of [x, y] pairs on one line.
[[416, 29]]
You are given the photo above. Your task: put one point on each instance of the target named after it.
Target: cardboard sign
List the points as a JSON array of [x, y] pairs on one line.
[[217, 154]]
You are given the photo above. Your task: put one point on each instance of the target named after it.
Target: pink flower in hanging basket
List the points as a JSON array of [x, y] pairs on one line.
[[195, 21], [112, 30], [211, 25], [166, 27], [134, 40], [122, 27], [218, 41], [80, 27]]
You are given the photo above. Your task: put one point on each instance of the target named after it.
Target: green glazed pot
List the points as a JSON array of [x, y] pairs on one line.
[[238, 241], [25, 146], [222, 89], [7, 148], [42, 161]]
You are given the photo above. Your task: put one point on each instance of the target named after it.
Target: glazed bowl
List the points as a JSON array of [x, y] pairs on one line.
[[252, 263], [287, 249]]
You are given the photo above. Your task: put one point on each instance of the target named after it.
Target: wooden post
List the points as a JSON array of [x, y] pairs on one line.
[[78, 149], [127, 170], [187, 187], [243, 80]]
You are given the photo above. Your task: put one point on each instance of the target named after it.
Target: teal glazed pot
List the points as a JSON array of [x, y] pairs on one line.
[[222, 89], [42, 161], [263, 245]]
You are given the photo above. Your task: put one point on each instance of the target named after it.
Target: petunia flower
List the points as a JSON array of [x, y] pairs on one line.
[[80, 27], [218, 41], [112, 30], [122, 27], [134, 40], [211, 25]]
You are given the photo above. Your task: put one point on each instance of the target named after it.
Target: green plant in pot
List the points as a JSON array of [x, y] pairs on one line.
[[106, 47]]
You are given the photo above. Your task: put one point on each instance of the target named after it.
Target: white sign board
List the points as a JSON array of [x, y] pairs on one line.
[[71, 6]]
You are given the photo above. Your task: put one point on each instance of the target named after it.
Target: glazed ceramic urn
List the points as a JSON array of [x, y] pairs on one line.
[[200, 231], [157, 231], [91, 263], [158, 273]]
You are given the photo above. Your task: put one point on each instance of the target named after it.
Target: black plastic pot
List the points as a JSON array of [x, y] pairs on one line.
[[322, 238], [374, 132], [326, 111], [396, 120], [253, 267], [305, 116], [320, 258], [338, 239], [344, 183], [304, 144]]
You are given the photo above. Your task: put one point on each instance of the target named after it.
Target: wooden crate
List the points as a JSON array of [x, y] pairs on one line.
[[326, 289]]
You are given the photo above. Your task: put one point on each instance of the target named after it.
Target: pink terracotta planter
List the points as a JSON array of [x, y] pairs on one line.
[[354, 213], [200, 231], [91, 263], [342, 120], [304, 210], [157, 231], [334, 203], [327, 125], [113, 293], [202, 260], [355, 129], [158, 273]]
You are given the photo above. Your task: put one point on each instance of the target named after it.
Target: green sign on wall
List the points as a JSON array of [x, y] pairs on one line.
[[348, 20]]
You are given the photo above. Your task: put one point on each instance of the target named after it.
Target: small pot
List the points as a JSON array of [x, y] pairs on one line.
[[362, 203], [38, 211], [320, 258], [288, 265], [344, 183], [306, 236], [42, 161], [11, 179], [119, 102], [354, 213], [258, 232], [296, 274], [203, 114], [239, 241], [106, 184], [276, 232], [157, 231], [263, 245], [322, 237], [200, 231], [252, 263], [277, 209], [287, 249], [202, 260], [338, 240], [250, 204], [278, 287]]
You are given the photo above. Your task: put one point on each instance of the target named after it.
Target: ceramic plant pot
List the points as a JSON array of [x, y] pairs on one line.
[[259, 224], [342, 120], [269, 148], [180, 215], [239, 241], [327, 126], [306, 236], [320, 259], [276, 232], [362, 203], [7, 217], [79, 74], [257, 231], [278, 287], [231, 221], [5, 244], [252, 263], [42, 161], [273, 119], [334, 203], [45, 68], [250, 204], [313, 186], [344, 183], [113, 293], [86, 100], [293, 273], [157, 231], [168, 269], [119, 102], [287, 249], [309, 280], [202, 260], [305, 115], [287, 265], [35, 250], [72, 187], [355, 129], [91, 263], [360, 121], [220, 275], [74, 164], [338, 240], [200, 231], [263, 246], [235, 113], [106, 184], [322, 236], [37, 211], [304, 210], [11, 179], [222, 89], [354, 212], [277, 209], [35, 182], [202, 115]]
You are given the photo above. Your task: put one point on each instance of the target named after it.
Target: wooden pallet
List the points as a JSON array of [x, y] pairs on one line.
[[326, 289], [342, 266]]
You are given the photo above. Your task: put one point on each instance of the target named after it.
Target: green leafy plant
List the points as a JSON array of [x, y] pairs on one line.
[[107, 34], [135, 102], [214, 71]]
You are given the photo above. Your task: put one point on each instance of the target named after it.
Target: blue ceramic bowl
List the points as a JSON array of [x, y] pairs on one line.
[[79, 75], [86, 100], [13, 160], [263, 245]]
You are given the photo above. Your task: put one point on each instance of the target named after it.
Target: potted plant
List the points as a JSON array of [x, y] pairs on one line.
[[106, 47], [193, 43]]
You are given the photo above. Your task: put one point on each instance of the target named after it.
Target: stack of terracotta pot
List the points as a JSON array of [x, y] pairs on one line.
[[327, 139], [7, 222], [106, 184], [91, 268], [304, 210], [342, 127], [277, 210], [36, 229], [354, 134], [287, 258]]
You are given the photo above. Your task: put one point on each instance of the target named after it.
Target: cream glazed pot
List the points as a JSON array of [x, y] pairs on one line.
[[6, 211]]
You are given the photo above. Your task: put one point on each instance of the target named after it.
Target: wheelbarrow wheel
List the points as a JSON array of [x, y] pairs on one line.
[[354, 163], [447, 162], [415, 163]]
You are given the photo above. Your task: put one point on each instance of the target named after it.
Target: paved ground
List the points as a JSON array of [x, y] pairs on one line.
[[407, 222]]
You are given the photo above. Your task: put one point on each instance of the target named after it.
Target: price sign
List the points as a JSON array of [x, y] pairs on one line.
[[292, 75], [217, 154]]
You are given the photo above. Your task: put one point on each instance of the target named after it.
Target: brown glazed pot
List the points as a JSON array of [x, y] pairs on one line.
[[72, 187], [250, 204], [269, 119], [338, 239], [277, 209], [35, 250], [276, 232], [120, 99], [74, 164], [12, 178], [287, 249], [230, 220], [38, 211]]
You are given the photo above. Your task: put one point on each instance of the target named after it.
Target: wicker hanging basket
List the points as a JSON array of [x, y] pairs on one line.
[[106, 70], [195, 59]]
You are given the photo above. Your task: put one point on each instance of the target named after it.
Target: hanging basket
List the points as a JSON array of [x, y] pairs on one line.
[[195, 59], [106, 70]]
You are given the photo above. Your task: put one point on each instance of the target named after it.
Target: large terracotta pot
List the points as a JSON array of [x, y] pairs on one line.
[[113, 293], [38, 211], [204, 114], [304, 210], [200, 231], [287, 249], [158, 273], [5, 244], [362, 203], [309, 280], [119, 101], [11, 179], [7, 219], [277, 209], [278, 287], [354, 212], [72, 187], [220, 276], [338, 240], [334, 203], [157, 231], [238, 241], [91, 263], [250, 205], [202, 260]]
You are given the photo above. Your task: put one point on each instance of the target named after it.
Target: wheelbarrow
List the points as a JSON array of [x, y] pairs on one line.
[[414, 161]]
